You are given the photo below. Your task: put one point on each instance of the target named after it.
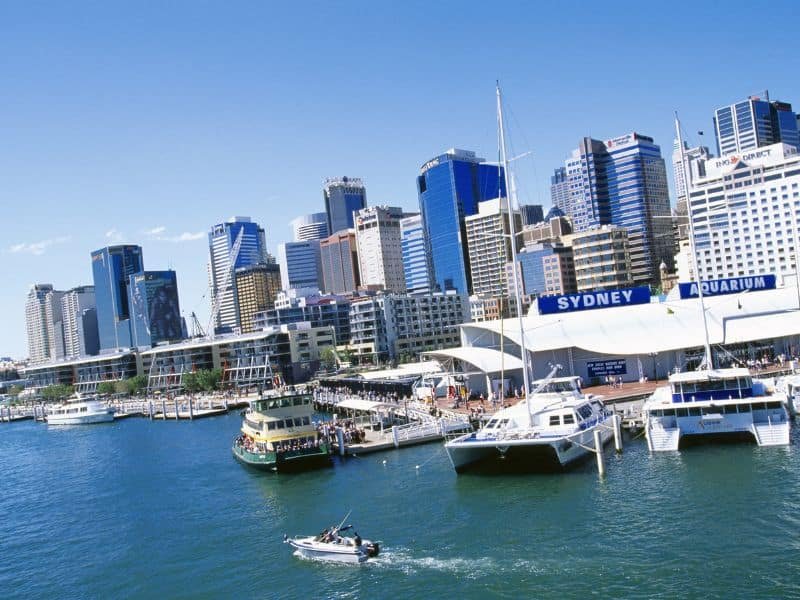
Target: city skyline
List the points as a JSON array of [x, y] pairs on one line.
[[123, 133]]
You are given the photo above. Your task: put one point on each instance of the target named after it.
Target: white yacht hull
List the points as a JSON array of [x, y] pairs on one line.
[[81, 419], [343, 553], [765, 427], [540, 454]]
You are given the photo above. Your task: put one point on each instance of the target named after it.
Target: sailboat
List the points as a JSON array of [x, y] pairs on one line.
[[553, 426], [712, 404]]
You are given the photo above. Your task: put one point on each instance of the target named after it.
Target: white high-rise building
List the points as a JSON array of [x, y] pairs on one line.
[[380, 251], [79, 310], [55, 323], [489, 247], [745, 213], [310, 227], [36, 323], [416, 262]]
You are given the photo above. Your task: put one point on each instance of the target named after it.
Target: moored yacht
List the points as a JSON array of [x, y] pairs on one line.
[[550, 430], [80, 411], [278, 434], [715, 404]]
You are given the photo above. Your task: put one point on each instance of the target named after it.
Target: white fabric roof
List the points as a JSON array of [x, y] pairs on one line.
[[487, 360], [655, 327], [402, 371]]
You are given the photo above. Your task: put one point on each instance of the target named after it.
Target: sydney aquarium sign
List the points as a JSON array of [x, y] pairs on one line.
[[733, 285], [549, 305]]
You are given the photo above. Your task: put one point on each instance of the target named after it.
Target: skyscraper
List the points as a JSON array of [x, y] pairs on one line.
[[531, 214], [79, 310], [380, 253], [695, 159], [343, 196], [416, 263], [339, 259], [38, 322], [450, 186], [489, 247], [257, 286], [300, 265], [112, 267], [253, 250], [310, 227], [559, 190], [623, 181], [753, 123], [155, 310]]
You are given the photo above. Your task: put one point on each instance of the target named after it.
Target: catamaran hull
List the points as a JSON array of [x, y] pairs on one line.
[[542, 456], [82, 420]]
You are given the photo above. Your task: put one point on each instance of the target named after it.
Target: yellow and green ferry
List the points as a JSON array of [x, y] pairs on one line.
[[278, 434]]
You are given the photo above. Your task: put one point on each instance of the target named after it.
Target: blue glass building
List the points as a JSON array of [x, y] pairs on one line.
[[343, 196], [450, 187], [111, 269], [155, 311], [416, 266], [300, 265], [753, 123], [623, 181]]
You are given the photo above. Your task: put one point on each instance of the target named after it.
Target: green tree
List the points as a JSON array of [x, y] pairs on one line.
[[328, 357], [54, 393], [15, 390], [137, 384], [209, 379], [105, 387], [191, 382]]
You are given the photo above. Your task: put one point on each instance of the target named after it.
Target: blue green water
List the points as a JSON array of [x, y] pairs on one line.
[[140, 509]]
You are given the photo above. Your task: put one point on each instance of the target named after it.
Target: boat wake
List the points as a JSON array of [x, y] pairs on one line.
[[468, 568]]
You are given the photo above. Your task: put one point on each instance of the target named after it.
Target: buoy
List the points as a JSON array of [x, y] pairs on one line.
[[384, 461], [417, 467]]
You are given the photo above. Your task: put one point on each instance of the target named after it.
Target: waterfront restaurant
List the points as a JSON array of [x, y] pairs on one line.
[[632, 336]]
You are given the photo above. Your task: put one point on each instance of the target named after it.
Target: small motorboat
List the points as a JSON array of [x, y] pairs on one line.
[[332, 545]]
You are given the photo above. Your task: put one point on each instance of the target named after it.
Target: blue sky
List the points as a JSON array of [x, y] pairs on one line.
[[142, 123]]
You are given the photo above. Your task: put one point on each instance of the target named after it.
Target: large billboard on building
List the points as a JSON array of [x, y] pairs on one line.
[[732, 285], [549, 305], [155, 310]]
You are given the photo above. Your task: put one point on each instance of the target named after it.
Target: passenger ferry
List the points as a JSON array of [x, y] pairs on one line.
[[549, 430], [278, 435], [715, 404], [78, 411]]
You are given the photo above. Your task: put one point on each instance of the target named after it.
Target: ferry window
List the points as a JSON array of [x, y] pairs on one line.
[[298, 401], [83, 409], [271, 425], [306, 420], [555, 420], [759, 406], [491, 423], [744, 408], [683, 412], [773, 404], [569, 419], [694, 412], [729, 409], [273, 404], [585, 412], [286, 402]]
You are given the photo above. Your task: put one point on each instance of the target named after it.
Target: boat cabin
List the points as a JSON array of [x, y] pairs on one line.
[[723, 384]]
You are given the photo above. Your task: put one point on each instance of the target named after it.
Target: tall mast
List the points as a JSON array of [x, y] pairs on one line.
[[513, 236], [687, 180]]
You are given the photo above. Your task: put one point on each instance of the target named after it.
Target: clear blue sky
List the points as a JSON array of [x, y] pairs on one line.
[[142, 123]]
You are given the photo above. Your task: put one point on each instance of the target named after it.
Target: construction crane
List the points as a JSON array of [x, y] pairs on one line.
[[217, 304], [197, 329]]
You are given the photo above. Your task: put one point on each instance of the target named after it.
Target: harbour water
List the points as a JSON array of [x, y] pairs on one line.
[[141, 509]]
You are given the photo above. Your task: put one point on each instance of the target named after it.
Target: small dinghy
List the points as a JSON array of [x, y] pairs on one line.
[[333, 545]]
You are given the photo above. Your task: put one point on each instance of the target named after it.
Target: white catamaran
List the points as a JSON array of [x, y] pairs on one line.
[[709, 403], [552, 427]]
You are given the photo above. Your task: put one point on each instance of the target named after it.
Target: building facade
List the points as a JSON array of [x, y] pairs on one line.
[[300, 265], [450, 187], [753, 123], [416, 262], [112, 268], [257, 287], [602, 259], [547, 268], [320, 311], [559, 190], [252, 251], [155, 309], [745, 213], [39, 342], [339, 258], [489, 247], [79, 310], [379, 244], [531, 214], [310, 227], [623, 182], [343, 196]]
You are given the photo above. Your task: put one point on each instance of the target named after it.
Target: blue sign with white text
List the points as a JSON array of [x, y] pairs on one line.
[[733, 285], [549, 305], [601, 368]]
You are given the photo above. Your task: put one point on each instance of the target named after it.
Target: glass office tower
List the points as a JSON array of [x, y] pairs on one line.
[[450, 187], [343, 196], [754, 123], [111, 268], [155, 311]]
